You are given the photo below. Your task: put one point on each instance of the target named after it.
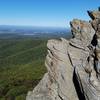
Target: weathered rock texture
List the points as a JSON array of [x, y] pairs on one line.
[[73, 65]]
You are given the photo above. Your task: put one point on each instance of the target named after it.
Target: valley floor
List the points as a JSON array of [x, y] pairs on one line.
[[21, 66]]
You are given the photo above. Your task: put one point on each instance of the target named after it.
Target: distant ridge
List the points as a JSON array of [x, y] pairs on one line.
[[11, 31]]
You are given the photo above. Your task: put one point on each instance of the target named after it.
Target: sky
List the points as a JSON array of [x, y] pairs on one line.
[[54, 13]]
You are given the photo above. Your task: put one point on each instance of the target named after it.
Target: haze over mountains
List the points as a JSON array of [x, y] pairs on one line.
[[12, 31]]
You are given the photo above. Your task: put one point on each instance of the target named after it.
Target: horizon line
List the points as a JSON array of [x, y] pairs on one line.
[[35, 26]]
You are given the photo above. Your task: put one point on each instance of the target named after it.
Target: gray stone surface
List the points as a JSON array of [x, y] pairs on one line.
[[73, 65]]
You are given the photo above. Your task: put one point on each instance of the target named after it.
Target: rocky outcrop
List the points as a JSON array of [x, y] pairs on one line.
[[73, 65]]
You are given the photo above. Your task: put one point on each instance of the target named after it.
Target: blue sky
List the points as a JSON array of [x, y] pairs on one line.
[[44, 12]]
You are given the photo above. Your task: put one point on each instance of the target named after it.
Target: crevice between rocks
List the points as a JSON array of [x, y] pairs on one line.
[[77, 87]]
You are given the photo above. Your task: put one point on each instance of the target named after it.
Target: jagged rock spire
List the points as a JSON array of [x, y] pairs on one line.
[[73, 65]]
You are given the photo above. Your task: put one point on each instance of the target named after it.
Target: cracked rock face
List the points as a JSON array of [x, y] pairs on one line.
[[73, 65]]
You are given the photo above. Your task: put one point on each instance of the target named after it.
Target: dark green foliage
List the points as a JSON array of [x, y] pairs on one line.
[[21, 66]]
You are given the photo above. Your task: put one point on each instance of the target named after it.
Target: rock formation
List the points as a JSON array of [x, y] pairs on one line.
[[73, 65]]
